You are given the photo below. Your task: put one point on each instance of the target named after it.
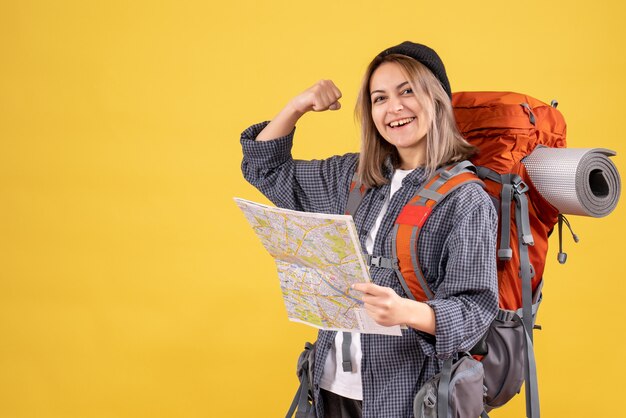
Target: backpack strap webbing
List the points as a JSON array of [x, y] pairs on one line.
[[514, 189], [301, 399], [527, 273], [357, 192], [443, 389], [346, 363], [412, 218]]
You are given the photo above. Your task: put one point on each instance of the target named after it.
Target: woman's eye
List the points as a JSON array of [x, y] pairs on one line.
[[378, 99], [407, 91]]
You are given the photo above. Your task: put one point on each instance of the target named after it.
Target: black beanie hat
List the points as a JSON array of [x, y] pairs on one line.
[[426, 56]]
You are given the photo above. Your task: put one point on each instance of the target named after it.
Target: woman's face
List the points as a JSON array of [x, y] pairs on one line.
[[397, 114]]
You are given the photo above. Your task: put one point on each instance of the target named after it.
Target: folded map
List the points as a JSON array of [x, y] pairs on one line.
[[318, 258]]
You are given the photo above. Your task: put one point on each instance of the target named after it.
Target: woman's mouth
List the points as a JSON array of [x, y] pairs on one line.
[[401, 122]]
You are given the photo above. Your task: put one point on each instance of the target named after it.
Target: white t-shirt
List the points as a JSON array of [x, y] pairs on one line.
[[334, 379]]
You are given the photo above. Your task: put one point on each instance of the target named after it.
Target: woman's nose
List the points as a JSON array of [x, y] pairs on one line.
[[395, 105]]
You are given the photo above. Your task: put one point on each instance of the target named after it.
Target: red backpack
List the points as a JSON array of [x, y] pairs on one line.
[[505, 127]]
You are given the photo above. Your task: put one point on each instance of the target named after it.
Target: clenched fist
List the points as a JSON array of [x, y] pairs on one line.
[[323, 95]]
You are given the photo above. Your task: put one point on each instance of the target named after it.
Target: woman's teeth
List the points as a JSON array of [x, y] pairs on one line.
[[400, 122]]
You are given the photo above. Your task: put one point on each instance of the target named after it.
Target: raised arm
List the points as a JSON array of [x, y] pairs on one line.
[[314, 186], [323, 95]]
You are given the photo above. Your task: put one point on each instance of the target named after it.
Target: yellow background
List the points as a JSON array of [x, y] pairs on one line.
[[130, 283]]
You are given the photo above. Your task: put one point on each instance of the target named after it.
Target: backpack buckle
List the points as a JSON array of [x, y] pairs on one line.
[[381, 262], [519, 185]]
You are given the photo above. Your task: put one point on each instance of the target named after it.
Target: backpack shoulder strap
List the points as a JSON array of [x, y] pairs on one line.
[[410, 221], [357, 192], [412, 218]]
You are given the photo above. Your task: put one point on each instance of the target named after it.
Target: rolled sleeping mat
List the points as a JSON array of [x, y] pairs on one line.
[[576, 181]]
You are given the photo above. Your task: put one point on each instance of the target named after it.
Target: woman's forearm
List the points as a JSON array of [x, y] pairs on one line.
[[281, 125], [420, 316]]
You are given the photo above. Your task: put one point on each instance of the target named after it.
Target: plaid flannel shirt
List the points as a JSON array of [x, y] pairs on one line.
[[456, 251]]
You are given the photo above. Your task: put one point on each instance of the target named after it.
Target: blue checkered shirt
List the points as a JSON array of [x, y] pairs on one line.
[[456, 251]]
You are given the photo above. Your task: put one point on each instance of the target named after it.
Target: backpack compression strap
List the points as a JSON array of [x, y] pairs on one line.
[[412, 218]]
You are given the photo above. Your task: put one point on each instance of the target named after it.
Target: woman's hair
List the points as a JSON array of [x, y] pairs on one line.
[[444, 143]]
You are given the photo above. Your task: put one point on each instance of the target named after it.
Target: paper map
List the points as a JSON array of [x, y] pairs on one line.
[[318, 258]]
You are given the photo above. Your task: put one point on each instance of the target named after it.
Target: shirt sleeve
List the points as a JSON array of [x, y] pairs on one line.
[[312, 186], [466, 300]]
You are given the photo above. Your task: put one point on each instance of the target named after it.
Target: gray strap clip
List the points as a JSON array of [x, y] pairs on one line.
[[505, 254], [381, 262], [519, 186]]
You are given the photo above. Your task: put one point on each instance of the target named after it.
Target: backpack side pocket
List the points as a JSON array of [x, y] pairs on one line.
[[504, 362], [465, 393]]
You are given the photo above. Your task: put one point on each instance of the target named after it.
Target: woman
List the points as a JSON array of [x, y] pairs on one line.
[[408, 131]]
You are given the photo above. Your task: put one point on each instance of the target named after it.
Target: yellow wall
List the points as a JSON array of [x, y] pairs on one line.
[[130, 283]]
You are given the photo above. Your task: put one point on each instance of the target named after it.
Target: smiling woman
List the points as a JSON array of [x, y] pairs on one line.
[[408, 131]]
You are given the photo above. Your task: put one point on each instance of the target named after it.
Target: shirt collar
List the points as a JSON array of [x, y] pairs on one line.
[[417, 176]]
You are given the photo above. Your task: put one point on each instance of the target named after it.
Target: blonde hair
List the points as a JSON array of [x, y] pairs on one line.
[[444, 142]]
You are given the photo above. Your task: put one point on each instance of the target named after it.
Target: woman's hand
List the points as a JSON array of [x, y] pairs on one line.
[[323, 95], [387, 308]]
